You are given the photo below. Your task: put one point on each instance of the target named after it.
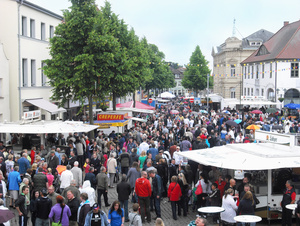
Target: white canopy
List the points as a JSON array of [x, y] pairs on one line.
[[46, 105], [166, 95], [42, 127], [254, 156]]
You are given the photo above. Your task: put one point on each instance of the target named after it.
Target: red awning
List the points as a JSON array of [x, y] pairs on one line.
[[138, 105]]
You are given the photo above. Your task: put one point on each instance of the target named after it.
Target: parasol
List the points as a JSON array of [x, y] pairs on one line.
[[256, 112], [253, 127], [231, 123], [61, 169], [6, 215]]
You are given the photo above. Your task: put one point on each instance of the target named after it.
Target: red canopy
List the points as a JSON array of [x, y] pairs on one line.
[[138, 105]]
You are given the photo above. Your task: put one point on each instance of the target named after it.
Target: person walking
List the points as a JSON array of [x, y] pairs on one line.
[[111, 169], [96, 217], [14, 180], [156, 192], [124, 190], [124, 161], [66, 178], [174, 194], [102, 186], [144, 192], [133, 174], [83, 209], [73, 203], [134, 218], [21, 205], [77, 174], [60, 212], [116, 214], [33, 209], [43, 208], [40, 180], [86, 188]]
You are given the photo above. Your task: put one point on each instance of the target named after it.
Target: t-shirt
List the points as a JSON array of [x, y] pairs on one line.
[[142, 160], [96, 219], [116, 219]]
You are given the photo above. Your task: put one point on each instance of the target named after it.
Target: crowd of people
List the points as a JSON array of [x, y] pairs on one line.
[[142, 164]]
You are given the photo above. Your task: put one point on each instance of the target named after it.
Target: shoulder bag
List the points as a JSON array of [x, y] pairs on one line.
[[59, 222]]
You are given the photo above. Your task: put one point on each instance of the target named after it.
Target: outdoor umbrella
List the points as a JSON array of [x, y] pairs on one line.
[[174, 112], [238, 121], [226, 112], [256, 112], [272, 110], [61, 169], [253, 127], [6, 215], [292, 106], [231, 123], [203, 111]]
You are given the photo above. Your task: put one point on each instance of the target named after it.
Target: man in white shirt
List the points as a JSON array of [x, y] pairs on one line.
[[144, 146], [66, 178], [178, 158]]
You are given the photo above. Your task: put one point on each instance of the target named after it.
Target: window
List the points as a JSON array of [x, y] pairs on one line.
[[245, 91], [176, 75], [179, 83], [232, 70], [33, 73], [271, 68], [51, 31], [262, 92], [232, 92], [251, 91], [263, 71], [256, 92], [257, 70], [252, 74], [245, 72], [248, 91], [24, 73], [43, 31], [294, 70], [32, 28], [248, 72], [43, 76], [24, 26], [262, 51]]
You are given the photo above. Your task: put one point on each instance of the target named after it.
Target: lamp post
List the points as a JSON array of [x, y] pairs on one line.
[[207, 91]]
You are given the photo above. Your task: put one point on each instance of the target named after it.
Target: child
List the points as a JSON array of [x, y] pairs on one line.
[[134, 218]]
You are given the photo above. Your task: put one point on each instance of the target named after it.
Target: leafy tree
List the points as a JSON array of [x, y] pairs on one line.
[[195, 75]]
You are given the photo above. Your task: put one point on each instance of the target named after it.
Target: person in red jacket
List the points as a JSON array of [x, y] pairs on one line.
[[32, 154], [143, 191], [174, 194], [221, 185]]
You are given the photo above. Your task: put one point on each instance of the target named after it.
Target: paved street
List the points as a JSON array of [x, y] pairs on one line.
[[166, 214]]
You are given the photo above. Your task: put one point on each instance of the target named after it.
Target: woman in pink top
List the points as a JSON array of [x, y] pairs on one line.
[[50, 177]]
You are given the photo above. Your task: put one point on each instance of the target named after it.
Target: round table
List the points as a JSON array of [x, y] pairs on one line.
[[247, 219], [212, 209], [291, 206]]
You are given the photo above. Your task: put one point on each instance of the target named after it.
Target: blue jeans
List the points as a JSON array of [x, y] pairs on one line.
[[124, 205], [154, 200], [42, 222]]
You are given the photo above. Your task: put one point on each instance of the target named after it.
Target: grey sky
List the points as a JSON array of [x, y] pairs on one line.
[[177, 26]]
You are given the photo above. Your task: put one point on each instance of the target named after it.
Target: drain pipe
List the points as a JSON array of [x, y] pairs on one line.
[[19, 63]]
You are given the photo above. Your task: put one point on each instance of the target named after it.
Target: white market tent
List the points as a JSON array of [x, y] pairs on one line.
[[42, 127], [254, 156], [166, 95]]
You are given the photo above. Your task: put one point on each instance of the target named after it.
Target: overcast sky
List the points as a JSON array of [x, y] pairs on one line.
[[178, 26]]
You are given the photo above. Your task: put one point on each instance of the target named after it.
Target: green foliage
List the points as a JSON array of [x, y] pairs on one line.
[[195, 75]]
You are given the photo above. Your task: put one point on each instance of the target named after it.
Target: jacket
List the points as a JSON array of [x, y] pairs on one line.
[[77, 175], [74, 190], [88, 219], [124, 159], [73, 205], [13, 180], [132, 175], [246, 207], [230, 207], [23, 165], [43, 207], [143, 187], [20, 202], [102, 181], [66, 178], [82, 213], [134, 157], [55, 214], [174, 192], [111, 165], [86, 187], [52, 197], [156, 185], [53, 162], [123, 190], [92, 178]]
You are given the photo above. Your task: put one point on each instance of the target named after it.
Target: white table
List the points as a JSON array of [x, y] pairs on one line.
[[212, 209], [291, 206], [247, 219]]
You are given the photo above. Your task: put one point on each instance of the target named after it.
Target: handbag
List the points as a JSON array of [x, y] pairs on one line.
[[199, 190], [59, 222]]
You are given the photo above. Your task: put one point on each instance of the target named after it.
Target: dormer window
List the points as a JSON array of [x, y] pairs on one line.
[[255, 43], [262, 51]]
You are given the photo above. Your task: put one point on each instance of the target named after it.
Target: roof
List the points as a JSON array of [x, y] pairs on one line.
[[138, 105], [260, 36], [283, 45], [254, 156], [46, 105]]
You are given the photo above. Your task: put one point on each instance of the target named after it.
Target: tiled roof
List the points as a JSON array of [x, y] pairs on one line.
[[284, 44], [259, 36]]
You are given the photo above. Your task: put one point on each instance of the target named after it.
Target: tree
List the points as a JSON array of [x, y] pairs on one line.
[[195, 75]]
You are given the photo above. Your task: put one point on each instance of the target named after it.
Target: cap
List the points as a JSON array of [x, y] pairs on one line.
[[95, 206]]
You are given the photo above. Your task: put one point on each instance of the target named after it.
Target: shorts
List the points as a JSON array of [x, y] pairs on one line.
[[14, 194]]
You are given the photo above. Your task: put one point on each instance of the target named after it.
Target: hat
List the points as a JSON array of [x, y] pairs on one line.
[[43, 159], [44, 191], [95, 206]]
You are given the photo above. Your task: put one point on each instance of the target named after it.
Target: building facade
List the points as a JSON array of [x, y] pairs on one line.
[[178, 90], [226, 62], [272, 71], [25, 40]]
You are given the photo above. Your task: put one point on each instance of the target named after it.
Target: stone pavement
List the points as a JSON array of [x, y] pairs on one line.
[[166, 213]]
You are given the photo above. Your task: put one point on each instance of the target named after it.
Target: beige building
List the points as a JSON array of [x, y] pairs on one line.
[[24, 34], [226, 62]]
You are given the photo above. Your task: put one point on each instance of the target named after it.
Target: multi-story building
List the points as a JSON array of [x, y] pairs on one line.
[[178, 90], [272, 70], [24, 35], [226, 62]]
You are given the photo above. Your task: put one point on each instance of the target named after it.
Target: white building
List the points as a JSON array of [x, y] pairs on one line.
[[178, 90], [24, 33], [272, 71]]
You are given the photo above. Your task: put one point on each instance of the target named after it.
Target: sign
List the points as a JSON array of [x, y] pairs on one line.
[[192, 100], [107, 117], [275, 137], [32, 114], [150, 101]]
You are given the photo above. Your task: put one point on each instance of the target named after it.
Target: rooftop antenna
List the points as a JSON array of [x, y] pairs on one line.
[[233, 29]]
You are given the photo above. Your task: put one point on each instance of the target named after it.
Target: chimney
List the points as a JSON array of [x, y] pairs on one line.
[[285, 23]]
